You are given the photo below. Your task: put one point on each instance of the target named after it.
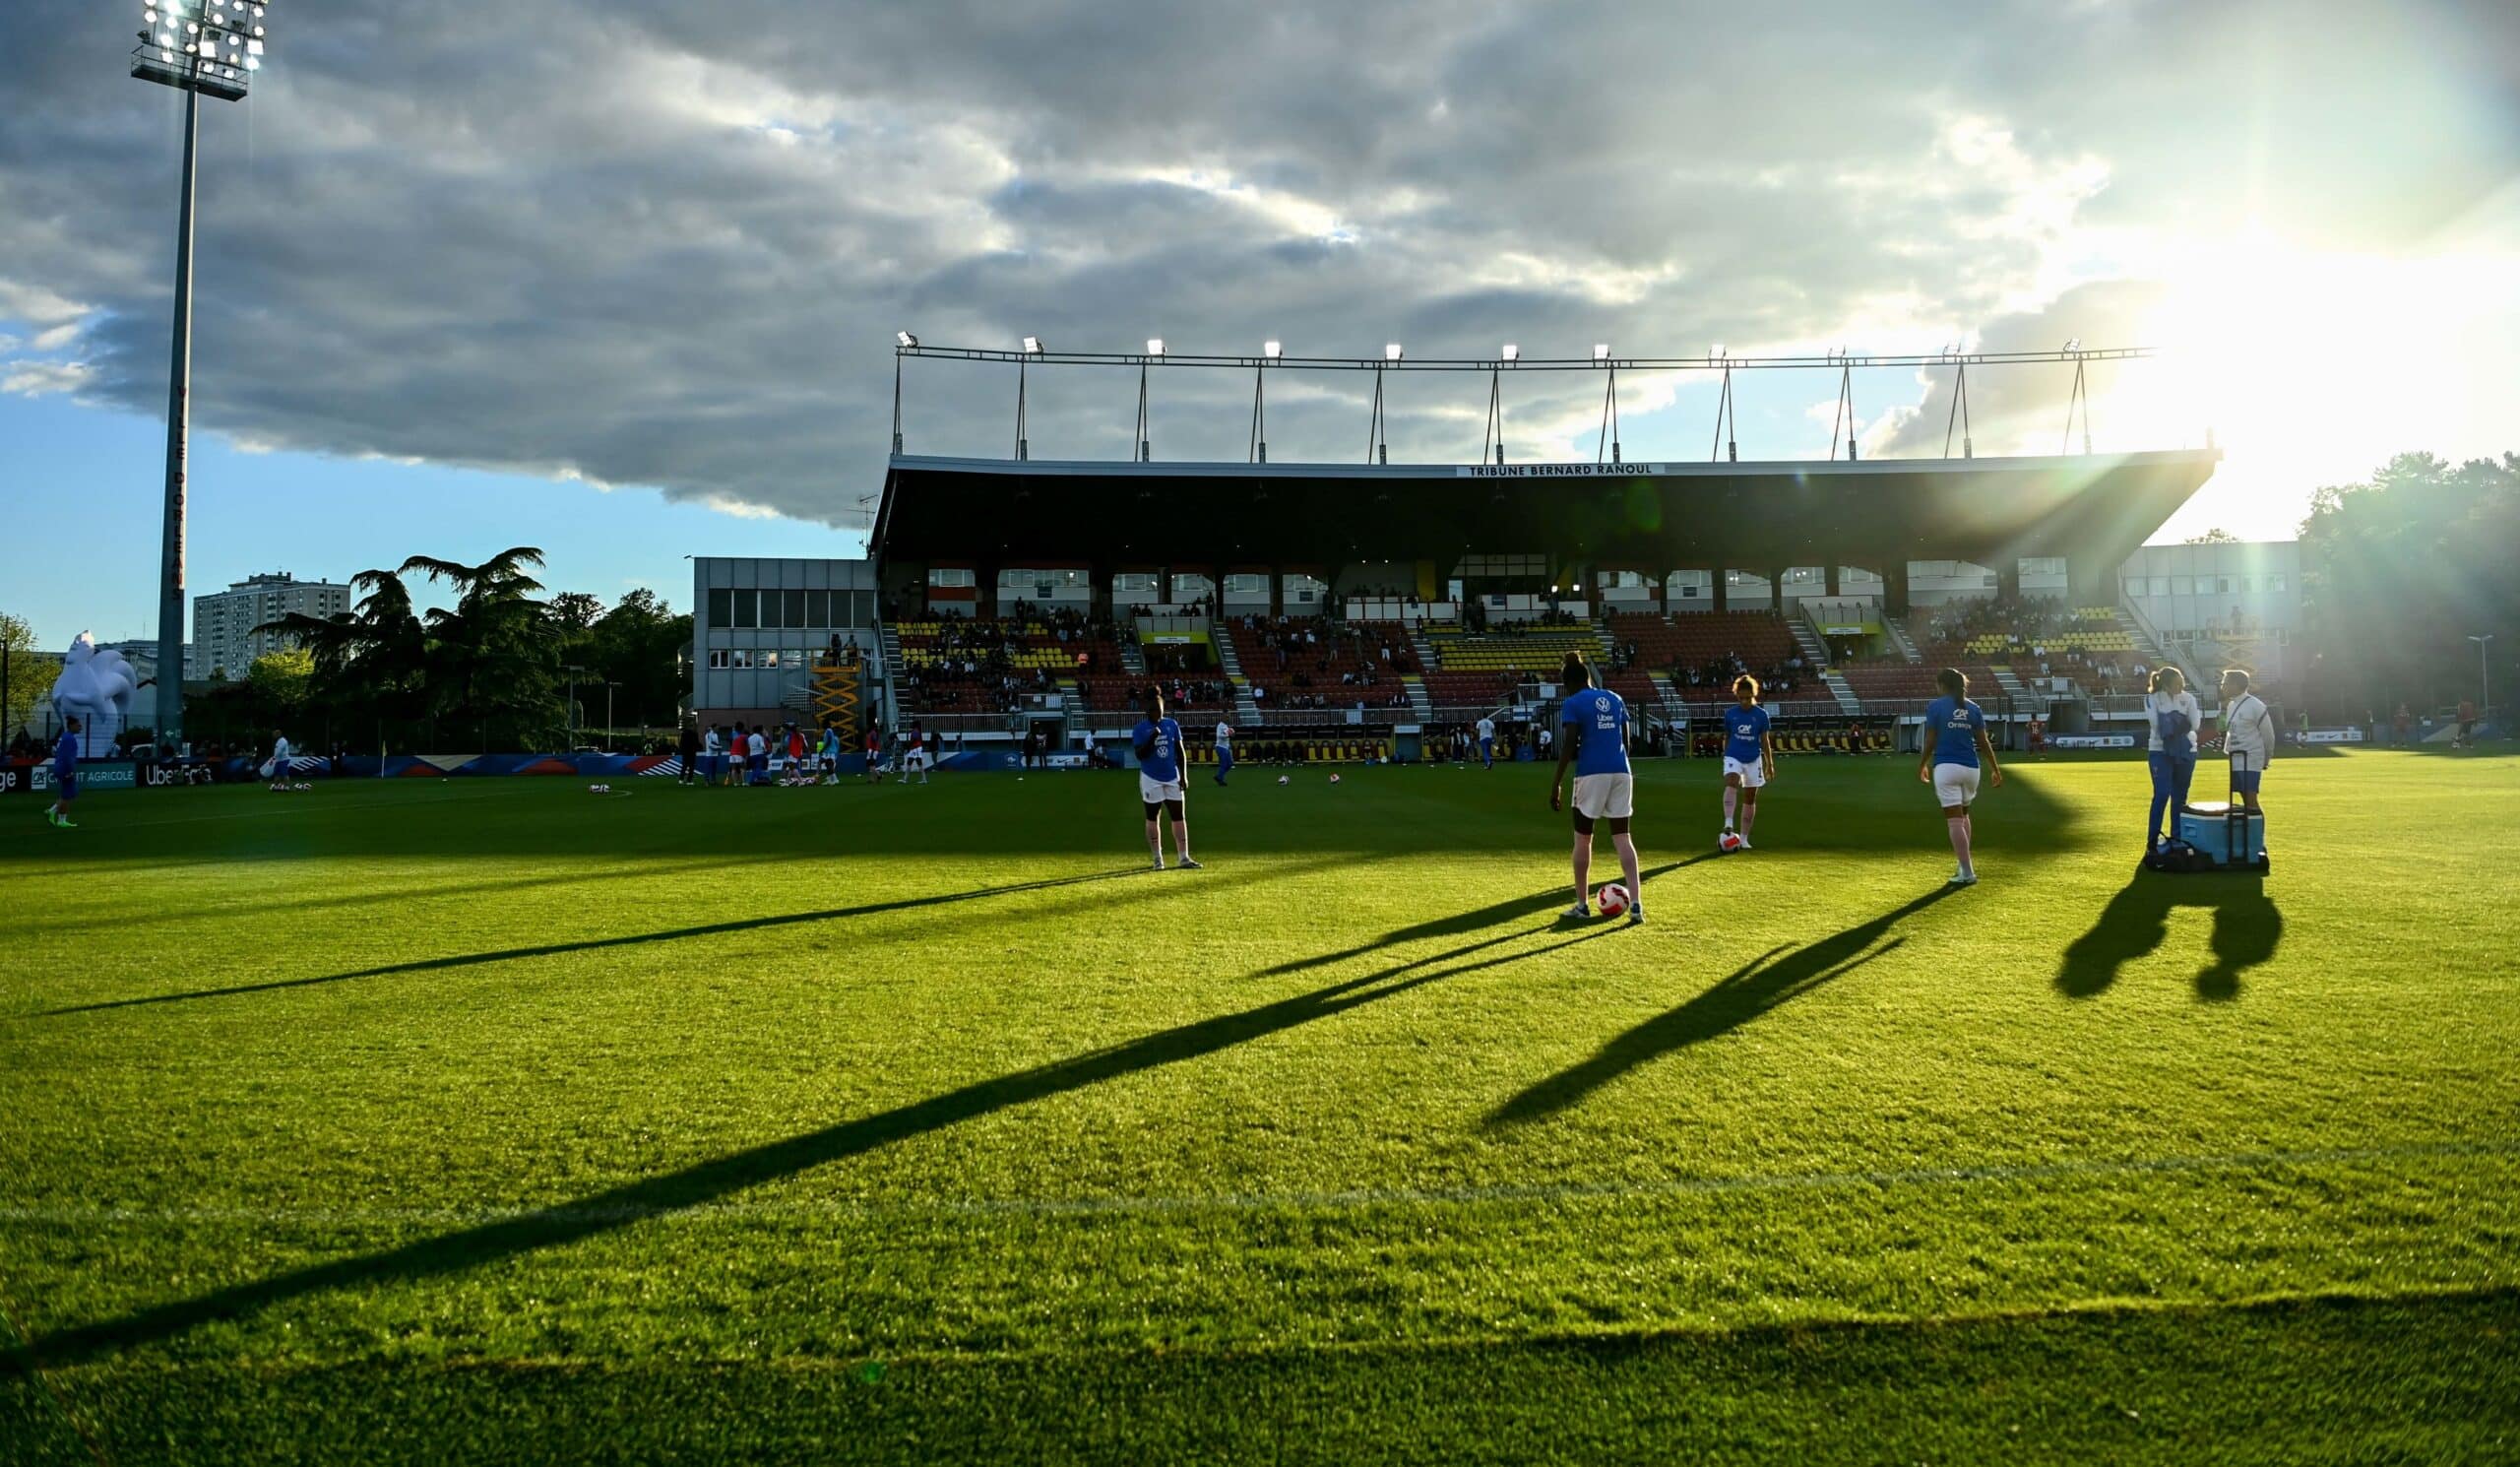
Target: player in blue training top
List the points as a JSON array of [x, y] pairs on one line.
[[1593, 735], [1158, 746], [65, 776], [1956, 739], [1749, 760]]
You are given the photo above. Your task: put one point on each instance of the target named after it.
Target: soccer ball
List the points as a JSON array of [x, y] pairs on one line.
[[1729, 841], [1611, 899], [1284, 780], [1334, 779], [599, 788]]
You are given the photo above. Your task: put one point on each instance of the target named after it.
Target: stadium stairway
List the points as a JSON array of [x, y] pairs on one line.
[[1423, 651], [1246, 711], [1421, 706], [1807, 639], [1899, 639], [2019, 693], [1841, 690], [886, 707], [2150, 648]]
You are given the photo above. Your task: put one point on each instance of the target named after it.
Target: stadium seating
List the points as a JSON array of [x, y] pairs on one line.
[[1906, 682], [1481, 669], [950, 665], [1337, 651], [1209, 693]]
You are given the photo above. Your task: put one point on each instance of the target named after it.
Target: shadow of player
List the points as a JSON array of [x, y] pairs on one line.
[[1774, 977], [2136, 922]]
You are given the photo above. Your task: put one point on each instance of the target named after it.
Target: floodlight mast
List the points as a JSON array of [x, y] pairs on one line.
[[195, 46]]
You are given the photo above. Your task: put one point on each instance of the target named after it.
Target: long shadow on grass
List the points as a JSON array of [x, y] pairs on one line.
[[1477, 920], [2136, 922], [1773, 977], [589, 944], [712, 1180]]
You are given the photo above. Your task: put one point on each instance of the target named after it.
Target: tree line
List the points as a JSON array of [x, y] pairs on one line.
[[491, 672], [2399, 572]]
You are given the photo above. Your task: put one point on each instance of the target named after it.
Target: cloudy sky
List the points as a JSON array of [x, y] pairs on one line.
[[621, 277]]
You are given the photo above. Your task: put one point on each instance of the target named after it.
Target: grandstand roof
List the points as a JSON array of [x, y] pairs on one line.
[[1744, 515]]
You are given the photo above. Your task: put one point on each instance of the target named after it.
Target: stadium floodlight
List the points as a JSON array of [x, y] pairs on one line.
[[1509, 352], [1032, 346], [199, 47], [903, 339], [1273, 350], [1391, 351], [1154, 346], [1600, 350]]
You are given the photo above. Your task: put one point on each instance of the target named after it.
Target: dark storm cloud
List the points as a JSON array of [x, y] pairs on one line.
[[668, 244]]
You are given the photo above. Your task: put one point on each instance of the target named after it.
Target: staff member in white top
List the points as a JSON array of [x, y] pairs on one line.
[[1225, 749], [280, 760], [2249, 733], [2175, 720], [1486, 741]]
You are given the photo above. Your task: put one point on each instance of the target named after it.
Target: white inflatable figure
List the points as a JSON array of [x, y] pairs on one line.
[[95, 687]]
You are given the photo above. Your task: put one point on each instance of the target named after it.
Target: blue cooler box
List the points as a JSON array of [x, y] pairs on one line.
[[2214, 827]]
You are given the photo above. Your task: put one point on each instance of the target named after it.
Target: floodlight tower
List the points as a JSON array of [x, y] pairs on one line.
[[197, 47]]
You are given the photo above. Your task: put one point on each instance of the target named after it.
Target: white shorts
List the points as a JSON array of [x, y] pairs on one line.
[[915, 759], [1152, 791], [1955, 784], [1605, 796], [1755, 774]]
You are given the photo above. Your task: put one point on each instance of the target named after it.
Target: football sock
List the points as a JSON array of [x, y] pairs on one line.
[[1732, 799], [1750, 816], [1960, 843]]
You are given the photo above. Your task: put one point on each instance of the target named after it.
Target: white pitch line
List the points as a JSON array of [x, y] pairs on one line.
[[1354, 1199]]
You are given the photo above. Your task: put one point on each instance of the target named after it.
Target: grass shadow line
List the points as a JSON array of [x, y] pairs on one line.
[[1772, 979], [710, 1181]]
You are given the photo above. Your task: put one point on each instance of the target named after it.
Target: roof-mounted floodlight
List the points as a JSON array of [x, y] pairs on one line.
[[1272, 350], [1600, 350], [1509, 352], [904, 339], [1154, 346], [1032, 346], [1391, 351]]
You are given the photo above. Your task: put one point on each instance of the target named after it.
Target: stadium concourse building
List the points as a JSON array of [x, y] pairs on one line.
[[1456, 588]]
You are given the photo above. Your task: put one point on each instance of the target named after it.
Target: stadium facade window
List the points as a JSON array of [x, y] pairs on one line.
[[745, 614], [1244, 583], [817, 608], [2161, 585], [1136, 583], [722, 607], [795, 608], [1303, 590], [771, 613], [2182, 585], [717, 656], [2275, 581], [740, 656], [767, 657], [953, 576]]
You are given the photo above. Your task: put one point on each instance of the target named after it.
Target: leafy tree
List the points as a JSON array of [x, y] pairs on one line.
[[2218, 536], [30, 672], [282, 680], [493, 655], [2400, 571]]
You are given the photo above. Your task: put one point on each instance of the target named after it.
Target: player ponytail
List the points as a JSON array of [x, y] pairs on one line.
[[1575, 674], [2168, 681], [1953, 682], [1746, 684]]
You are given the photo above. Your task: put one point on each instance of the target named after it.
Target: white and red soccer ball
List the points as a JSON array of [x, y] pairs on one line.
[[1727, 842], [1611, 899], [599, 788]]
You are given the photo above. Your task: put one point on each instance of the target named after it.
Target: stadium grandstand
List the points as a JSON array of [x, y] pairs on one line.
[[1380, 610]]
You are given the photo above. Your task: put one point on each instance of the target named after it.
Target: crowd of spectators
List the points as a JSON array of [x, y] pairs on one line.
[[1294, 662], [1778, 679]]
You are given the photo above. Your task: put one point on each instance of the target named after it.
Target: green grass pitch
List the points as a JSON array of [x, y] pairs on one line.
[[495, 1121]]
